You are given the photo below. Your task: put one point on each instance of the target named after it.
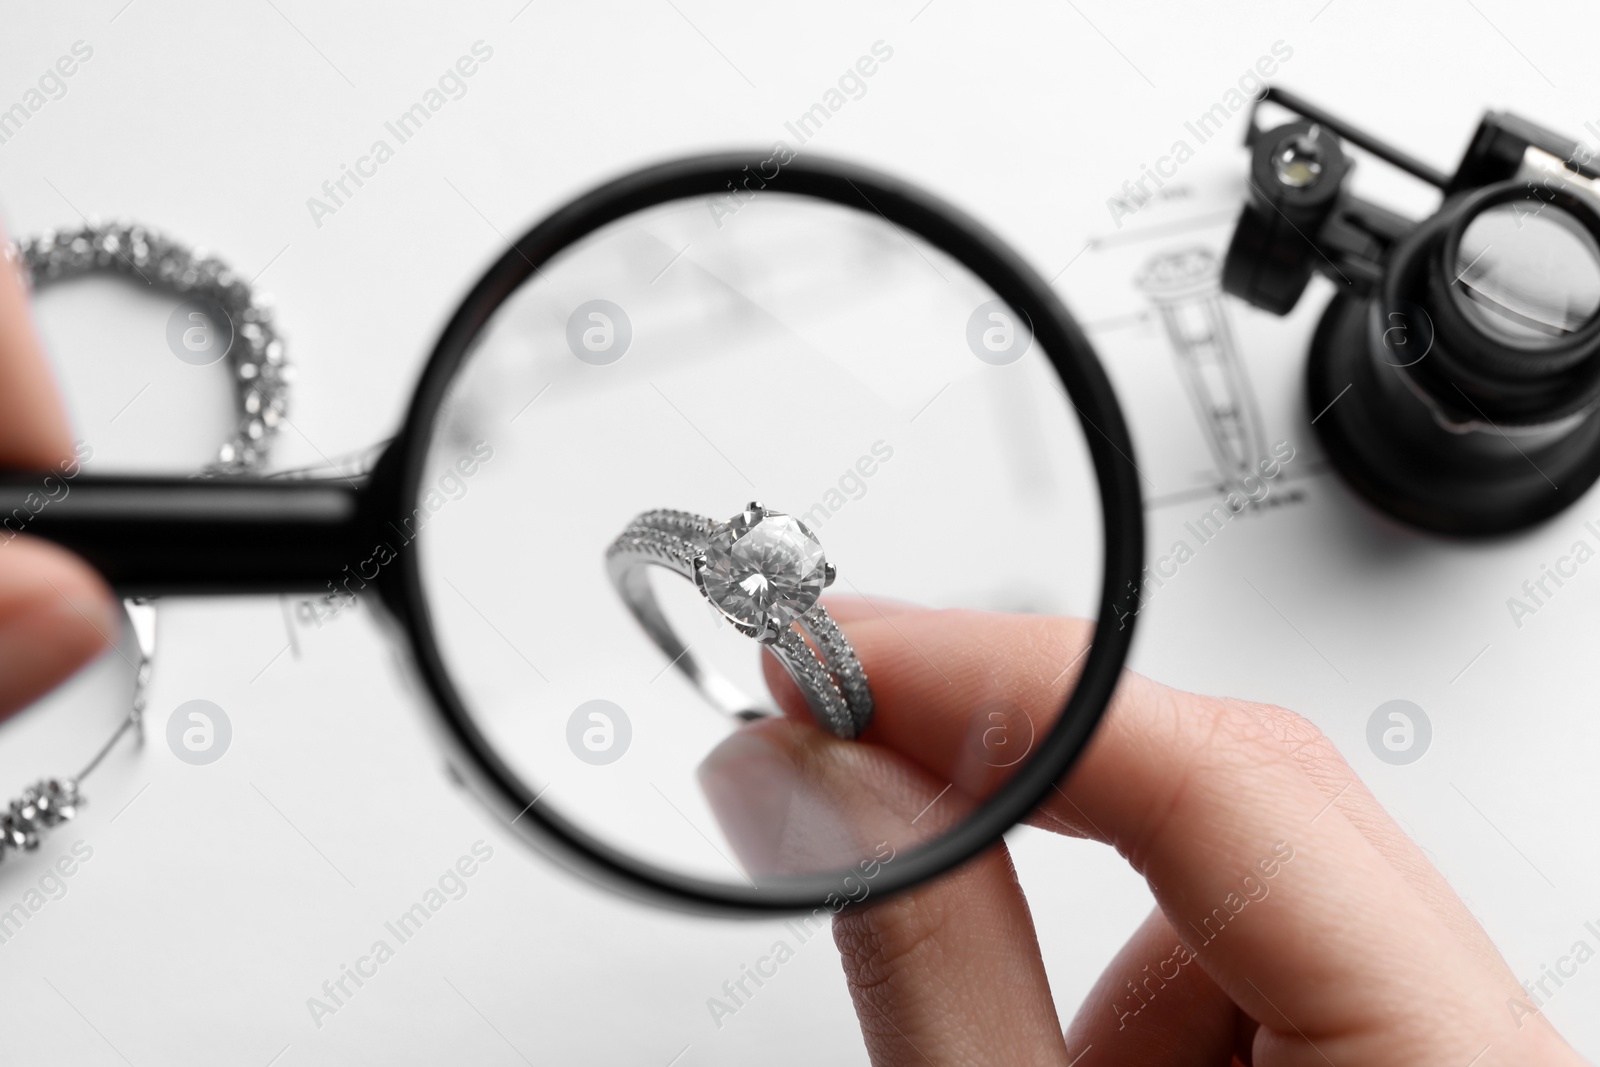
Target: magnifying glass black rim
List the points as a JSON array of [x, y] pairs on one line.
[[910, 210]]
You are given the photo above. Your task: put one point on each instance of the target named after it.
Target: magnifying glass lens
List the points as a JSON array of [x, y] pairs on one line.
[[1528, 273], [910, 447]]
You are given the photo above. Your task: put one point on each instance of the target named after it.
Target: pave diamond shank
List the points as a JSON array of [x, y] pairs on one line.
[[764, 571]]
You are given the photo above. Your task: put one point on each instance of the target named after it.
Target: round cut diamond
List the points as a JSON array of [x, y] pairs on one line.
[[763, 565]]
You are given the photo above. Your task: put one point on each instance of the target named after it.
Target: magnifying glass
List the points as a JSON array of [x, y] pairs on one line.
[[674, 425]]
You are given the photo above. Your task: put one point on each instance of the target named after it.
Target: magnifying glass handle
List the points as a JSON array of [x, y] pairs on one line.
[[153, 536]]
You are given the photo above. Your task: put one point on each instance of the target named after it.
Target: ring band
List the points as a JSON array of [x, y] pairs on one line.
[[762, 570]]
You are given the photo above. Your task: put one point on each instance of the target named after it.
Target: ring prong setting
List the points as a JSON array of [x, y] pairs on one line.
[[763, 573], [761, 568]]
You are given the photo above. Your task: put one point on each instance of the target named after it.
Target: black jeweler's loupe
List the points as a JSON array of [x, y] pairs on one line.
[[1454, 380]]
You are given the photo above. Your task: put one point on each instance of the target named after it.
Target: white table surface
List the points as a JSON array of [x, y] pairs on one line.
[[206, 915]]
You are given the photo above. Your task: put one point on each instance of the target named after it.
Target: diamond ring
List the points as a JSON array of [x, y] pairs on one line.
[[763, 571]]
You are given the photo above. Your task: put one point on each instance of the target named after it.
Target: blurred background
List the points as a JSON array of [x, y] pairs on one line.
[[216, 900]]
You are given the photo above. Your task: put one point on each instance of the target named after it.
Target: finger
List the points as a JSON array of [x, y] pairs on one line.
[[1321, 761], [844, 609], [948, 973], [793, 800], [852, 607], [34, 433], [957, 749], [1211, 809], [55, 611], [969, 719], [941, 735], [55, 615], [1155, 1006], [1194, 1022], [909, 724], [951, 973]]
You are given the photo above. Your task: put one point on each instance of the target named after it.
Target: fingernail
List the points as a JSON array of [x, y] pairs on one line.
[[750, 784]]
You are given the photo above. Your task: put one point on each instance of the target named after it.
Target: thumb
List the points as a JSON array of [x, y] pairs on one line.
[[55, 611], [55, 615]]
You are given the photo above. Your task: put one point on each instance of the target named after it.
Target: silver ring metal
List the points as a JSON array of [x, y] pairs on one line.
[[763, 571]]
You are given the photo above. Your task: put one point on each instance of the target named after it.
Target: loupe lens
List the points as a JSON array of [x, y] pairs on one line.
[[1527, 273], [698, 355]]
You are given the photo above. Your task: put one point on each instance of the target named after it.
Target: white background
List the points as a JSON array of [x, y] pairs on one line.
[[221, 897]]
